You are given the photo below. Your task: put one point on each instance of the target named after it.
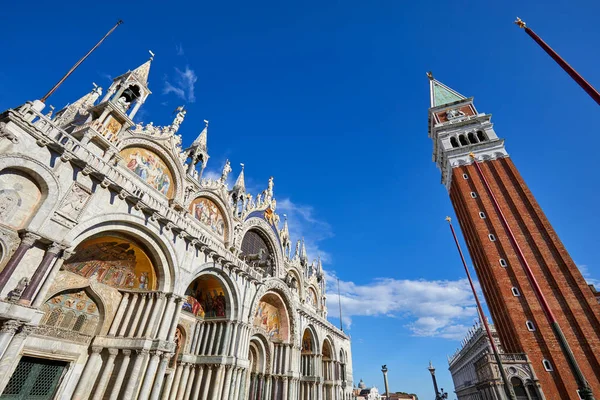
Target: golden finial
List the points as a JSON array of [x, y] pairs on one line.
[[520, 23], [448, 219], [430, 75], [472, 155]]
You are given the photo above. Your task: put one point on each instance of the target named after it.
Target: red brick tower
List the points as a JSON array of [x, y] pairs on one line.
[[532, 286]]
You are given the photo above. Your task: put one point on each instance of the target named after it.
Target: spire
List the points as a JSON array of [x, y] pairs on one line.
[[201, 140], [142, 72], [303, 255], [441, 94], [240, 185], [285, 229]]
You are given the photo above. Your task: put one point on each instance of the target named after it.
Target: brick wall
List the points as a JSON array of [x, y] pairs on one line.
[[570, 298]]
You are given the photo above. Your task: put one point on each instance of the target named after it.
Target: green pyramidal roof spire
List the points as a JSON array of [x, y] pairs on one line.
[[441, 94]]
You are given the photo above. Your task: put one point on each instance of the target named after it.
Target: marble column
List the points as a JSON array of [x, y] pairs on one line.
[[142, 325], [89, 376], [176, 380], [41, 294], [202, 326], [189, 382], [181, 384], [168, 385], [150, 374], [7, 332], [27, 242], [138, 315], [236, 384], [213, 332], [12, 354], [165, 323], [198, 382], [119, 315], [227, 381], [285, 388], [128, 314], [157, 310], [175, 318], [160, 376], [134, 377], [207, 386], [234, 329], [40, 272], [114, 393], [106, 373], [218, 383]]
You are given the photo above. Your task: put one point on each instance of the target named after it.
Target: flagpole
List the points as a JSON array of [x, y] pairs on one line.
[[340, 303], [585, 85], [507, 385], [74, 67]]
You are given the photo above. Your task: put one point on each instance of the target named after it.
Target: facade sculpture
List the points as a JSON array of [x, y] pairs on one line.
[[126, 274]]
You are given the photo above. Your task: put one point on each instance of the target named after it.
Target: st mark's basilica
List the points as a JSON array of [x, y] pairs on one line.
[[126, 274]]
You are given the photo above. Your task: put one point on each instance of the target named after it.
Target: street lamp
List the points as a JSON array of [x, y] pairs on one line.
[[387, 390], [438, 395]]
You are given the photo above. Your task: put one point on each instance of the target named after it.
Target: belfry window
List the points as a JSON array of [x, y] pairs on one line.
[[454, 142], [481, 136], [463, 140], [472, 138]]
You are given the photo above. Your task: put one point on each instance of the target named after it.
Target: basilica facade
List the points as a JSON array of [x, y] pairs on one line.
[[125, 274]]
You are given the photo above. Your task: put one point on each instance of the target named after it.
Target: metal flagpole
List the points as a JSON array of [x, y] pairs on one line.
[[585, 85], [585, 391], [507, 385], [340, 303], [74, 67]]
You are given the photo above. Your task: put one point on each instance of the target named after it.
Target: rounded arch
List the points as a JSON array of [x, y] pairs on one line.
[[328, 349], [77, 309], [299, 285], [175, 168], [277, 286], [210, 275], [266, 231], [45, 179], [180, 342], [312, 297], [259, 354], [310, 340], [206, 220], [272, 318], [160, 251]]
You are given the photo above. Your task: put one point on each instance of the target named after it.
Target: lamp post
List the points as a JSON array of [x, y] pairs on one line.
[[438, 395], [385, 381]]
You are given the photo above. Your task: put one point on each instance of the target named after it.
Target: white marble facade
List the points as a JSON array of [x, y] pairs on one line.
[[134, 278]]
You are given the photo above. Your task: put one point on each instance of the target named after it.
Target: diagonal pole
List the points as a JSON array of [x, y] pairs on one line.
[[507, 385], [585, 85], [74, 67], [340, 303]]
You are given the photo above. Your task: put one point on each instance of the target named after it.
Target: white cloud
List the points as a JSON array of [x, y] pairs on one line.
[[302, 222], [441, 308], [588, 276], [179, 49], [183, 84]]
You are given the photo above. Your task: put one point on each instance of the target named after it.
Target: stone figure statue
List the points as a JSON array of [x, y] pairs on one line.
[[269, 193], [96, 93], [123, 103], [178, 118], [455, 113], [226, 171], [15, 295]]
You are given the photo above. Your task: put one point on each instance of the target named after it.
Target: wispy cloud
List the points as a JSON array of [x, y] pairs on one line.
[[441, 308], [179, 49], [585, 271], [182, 84], [303, 222], [106, 76]]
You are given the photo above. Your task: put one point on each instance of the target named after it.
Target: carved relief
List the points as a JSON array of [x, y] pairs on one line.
[[74, 201], [19, 198]]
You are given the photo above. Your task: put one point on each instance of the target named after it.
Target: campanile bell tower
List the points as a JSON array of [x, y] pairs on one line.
[[532, 287]]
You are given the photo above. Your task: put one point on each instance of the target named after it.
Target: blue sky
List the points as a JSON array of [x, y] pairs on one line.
[[331, 98]]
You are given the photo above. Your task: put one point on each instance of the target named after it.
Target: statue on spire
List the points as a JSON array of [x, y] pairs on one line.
[[181, 111], [225, 173]]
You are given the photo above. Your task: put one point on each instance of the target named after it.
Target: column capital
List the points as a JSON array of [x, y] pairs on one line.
[[55, 248], [126, 352], [29, 238], [161, 295], [156, 353], [167, 355], [97, 349], [10, 326], [113, 352], [142, 352], [68, 253]]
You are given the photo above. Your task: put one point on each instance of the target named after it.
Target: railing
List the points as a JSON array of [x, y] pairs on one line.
[[110, 176]]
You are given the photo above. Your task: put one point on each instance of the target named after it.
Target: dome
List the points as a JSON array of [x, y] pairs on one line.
[[361, 385]]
